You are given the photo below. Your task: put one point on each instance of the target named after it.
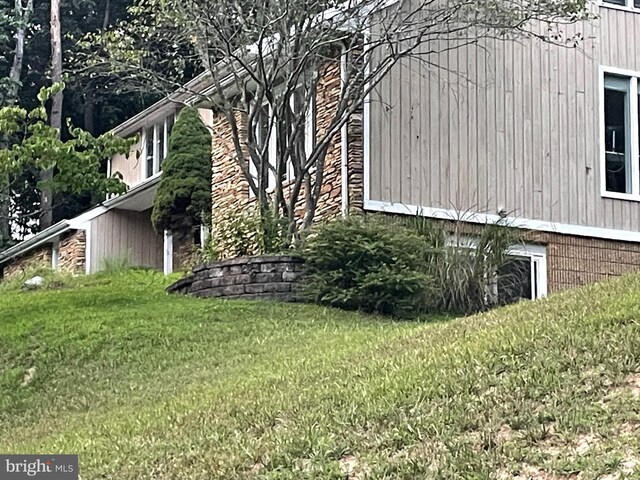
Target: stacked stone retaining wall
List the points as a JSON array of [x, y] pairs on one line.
[[246, 278]]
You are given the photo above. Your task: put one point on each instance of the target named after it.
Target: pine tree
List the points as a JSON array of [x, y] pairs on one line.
[[183, 199]]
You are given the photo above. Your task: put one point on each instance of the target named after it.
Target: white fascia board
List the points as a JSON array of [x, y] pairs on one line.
[[45, 236], [80, 222], [202, 85], [483, 218]]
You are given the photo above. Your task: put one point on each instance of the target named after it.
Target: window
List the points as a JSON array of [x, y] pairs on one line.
[[519, 278], [156, 145], [621, 136], [265, 143], [623, 3], [265, 138], [298, 104], [522, 276]]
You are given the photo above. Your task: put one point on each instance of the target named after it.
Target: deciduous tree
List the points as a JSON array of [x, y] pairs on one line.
[[36, 146]]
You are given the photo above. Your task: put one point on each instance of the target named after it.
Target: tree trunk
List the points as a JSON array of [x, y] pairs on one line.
[[89, 113], [107, 11], [46, 200], [23, 15]]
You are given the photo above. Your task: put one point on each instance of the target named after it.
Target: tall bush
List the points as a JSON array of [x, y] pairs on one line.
[[466, 277], [367, 264], [241, 233], [405, 266], [183, 200]]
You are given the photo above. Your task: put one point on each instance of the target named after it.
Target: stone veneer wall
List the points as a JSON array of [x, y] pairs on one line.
[[71, 252], [40, 257], [71, 256], [247, 278], [230, 190]]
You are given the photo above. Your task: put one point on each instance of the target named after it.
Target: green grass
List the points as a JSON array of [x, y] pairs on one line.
[[145, 385]]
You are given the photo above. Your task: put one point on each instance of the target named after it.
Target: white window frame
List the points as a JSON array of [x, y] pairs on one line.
[[538, 256], [629, 6], [634, 143], [272, 153], [536, 253], [309, 138], [158, 156]]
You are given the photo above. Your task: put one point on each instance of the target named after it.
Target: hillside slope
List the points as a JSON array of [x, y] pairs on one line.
[[145, 385]]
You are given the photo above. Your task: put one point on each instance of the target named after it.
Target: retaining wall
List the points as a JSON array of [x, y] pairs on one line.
[[247, 278]]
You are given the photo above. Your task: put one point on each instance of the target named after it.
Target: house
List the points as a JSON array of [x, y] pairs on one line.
[[544, 136]]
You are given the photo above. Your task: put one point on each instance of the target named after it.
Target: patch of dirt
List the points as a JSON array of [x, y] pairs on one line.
[[28, 377], [503, 435], [610, 476], [633, 383], [584, 443], [529, 472], [303, 464], [628, 428], [256, 467], [352, 468], [630, 463]]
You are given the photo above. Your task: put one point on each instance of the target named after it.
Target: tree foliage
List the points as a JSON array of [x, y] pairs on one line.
[[33, 145], [183, 199], [25, 68]]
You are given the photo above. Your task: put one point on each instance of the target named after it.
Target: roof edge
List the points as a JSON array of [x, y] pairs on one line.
[[76, 222], [35, 241]]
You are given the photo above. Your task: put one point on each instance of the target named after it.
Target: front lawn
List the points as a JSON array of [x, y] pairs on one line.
[[145, 385]]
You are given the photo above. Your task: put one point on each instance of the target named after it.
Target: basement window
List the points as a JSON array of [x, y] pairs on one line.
[[522, 277], [621, 136]]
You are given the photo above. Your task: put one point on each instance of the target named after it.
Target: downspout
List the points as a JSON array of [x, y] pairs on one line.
[[344, 141]]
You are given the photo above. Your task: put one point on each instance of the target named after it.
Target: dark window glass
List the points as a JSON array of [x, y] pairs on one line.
[[622, 3], [636, 3], [617, 173], [514, 280], [197, 237], [171, 119], [149, 152], [160, 143]]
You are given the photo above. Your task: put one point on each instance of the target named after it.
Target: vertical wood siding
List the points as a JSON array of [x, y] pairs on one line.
[[129, 166], [511, 125], [125, 233]]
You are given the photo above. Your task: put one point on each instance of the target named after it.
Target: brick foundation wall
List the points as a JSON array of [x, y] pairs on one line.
[[573, 261], [249, 278], [71, 253], [230, 190]]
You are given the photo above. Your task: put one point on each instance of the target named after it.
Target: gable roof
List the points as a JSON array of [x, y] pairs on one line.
[[76, 223]]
